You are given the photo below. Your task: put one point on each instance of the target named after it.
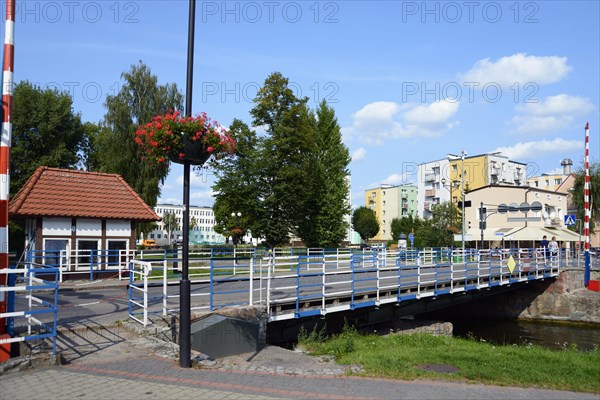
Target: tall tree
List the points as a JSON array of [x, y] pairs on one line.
[[321, 222], [237, 188], [46, 131], [365, 223], [139, 99], [283, 157]]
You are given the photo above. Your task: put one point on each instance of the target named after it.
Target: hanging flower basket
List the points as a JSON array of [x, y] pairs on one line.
[[179, 139]]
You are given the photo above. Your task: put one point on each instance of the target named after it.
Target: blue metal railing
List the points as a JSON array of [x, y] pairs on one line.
[[24, 285]]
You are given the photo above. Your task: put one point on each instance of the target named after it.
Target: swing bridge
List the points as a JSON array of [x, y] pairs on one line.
[[318, 283], [286, 284]]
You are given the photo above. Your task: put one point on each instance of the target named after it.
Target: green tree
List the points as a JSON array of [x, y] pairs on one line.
[[404, 225], [89, 149], [283, 158], [577, 194], [365, 223], [237, 188], [321, 220], [138, 100], [170, 224], [46, 131]]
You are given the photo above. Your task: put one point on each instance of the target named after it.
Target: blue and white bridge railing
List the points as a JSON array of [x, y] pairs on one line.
[[32, 303], [295, 286]]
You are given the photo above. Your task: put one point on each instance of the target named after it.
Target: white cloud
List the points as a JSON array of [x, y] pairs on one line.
[[433, 114], [551, 114], [558, 105], [536, 149], [382, 120], [520, 68], [359, 154], [170, 200], [202, 195], [397, 179]]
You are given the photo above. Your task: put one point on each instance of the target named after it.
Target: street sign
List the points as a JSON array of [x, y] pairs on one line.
[[499, 233], [570, 219]]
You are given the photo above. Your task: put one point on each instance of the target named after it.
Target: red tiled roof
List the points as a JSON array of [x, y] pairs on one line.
[[55, 192]]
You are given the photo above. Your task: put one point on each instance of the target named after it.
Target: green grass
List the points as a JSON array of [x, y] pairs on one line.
[[398, 356]]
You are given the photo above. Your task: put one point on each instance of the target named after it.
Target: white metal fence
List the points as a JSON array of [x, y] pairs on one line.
[[292, 286]]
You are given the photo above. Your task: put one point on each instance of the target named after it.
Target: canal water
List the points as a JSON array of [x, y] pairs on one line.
[[547, 334]]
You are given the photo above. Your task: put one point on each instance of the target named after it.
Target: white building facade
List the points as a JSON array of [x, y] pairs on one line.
[[202, 233], [445, 179]]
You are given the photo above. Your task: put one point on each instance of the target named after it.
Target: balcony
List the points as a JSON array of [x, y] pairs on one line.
[[426, 205], [430, 193], [429, 177], [404, 204], [494, 171]]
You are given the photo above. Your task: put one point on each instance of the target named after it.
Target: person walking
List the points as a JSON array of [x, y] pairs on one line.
[[544, 245], [553, 248]]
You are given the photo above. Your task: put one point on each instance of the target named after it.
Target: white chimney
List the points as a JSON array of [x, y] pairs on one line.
[[566, 164]]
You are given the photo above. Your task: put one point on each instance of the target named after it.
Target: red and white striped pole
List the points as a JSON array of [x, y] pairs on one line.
[[586, 205], [7, 93]]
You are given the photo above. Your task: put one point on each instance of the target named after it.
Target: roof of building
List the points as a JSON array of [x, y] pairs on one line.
[[513, 187], [55, 192]]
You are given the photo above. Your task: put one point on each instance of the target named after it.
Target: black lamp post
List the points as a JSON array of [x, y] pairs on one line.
[[185, 348]]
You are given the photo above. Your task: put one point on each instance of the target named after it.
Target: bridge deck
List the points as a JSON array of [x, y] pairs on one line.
[[301, 286]]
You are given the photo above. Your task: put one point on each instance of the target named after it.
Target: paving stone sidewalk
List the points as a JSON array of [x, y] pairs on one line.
[[104, 361], [109, 363]]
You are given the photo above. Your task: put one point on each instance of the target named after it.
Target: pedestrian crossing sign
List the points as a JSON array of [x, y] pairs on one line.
[[570, 219]]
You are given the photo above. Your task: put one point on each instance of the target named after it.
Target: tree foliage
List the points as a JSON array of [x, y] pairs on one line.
[[170, 223], [138, 100], [238, 183], [321, 222], [365, 223], [282, 157], [46, 131], [404, 225], [577, 194], [293, 179]]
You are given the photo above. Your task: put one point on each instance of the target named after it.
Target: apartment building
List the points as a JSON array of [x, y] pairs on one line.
[[445, 179], [389, 202], [553, 182]]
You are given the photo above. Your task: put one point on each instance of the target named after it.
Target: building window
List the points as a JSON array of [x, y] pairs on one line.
[[557, 181], [454, 167]]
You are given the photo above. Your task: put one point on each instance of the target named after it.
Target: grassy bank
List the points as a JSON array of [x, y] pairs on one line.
[[400, 356]]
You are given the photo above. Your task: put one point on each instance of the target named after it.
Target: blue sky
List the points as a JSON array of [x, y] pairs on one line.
[[410, 81]]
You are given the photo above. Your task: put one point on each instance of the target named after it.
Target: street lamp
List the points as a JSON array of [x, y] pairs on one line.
[[233, 215], [233, 237], [451, 209]]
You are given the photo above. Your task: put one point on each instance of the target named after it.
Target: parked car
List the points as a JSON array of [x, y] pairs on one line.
[[150, 244]]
